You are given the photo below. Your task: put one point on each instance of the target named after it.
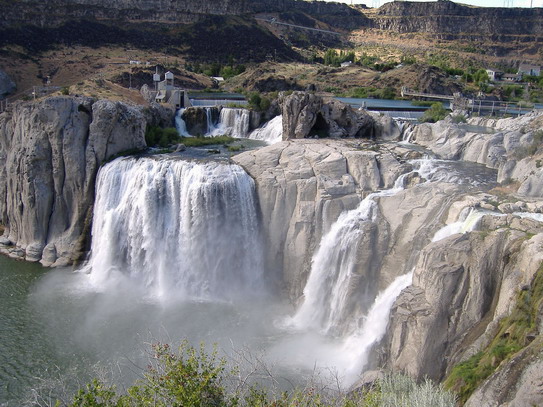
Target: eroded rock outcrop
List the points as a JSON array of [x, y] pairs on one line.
[[303, 187], [463, 285], [51, 151], [512, 146], [307, 115]]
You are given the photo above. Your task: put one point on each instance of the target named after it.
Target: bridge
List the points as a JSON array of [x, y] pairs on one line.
[[407, 92]]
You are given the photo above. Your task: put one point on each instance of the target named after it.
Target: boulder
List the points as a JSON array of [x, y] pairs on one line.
[[307, 115]]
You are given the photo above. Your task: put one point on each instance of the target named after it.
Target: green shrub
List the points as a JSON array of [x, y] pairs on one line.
[[157, 136], [258, 102], [65, 90], [205, 141], [435, 113], [192, 377], [460, 118]]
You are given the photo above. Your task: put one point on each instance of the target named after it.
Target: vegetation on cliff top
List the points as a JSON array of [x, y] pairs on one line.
[[164, 137]]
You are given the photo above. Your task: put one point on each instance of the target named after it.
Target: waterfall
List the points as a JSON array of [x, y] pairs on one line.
[[211, 127], [359, 345], [328, 293], [234, 122], [467, 221], [180, 124], [271, 132], [406, 130], [329, 289], [177, 228]]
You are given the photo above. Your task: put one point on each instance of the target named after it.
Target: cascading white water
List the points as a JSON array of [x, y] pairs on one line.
[[334, 296], [178, 228], [271, 132], [328, 293], [359, 345], [234, 122], [328, 290], [467, 221], [180, 124], [211, 126]]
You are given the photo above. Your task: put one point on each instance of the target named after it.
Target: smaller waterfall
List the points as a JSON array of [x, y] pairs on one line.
[[329, 287], [407, 129], [271, 132], [467, 222], [359, 345], [234, 122], [180, 124], [211, 125]]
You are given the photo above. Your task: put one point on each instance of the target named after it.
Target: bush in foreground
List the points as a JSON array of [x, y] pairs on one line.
[[192, 377]]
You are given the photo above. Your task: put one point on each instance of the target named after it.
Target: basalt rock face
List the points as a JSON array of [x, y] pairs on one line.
[[307, 115], [304, 185], [52, 13], [462, 287], [51, 152], [448, 20]]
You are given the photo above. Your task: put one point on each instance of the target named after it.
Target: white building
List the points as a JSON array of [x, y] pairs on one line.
[[166, 92], [494, 75]]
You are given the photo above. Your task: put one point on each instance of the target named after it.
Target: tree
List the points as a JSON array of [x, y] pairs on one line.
[[435, 113]]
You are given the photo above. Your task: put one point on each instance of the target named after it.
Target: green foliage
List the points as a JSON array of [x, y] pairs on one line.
[[367, 60], [65, 90], [157, 136], [435, 113], [258, 102], [370, 92], [192, 377], [513, 91], [333, 58], [217, 69], [512, 336], [460, 118], [205, 141], [408, 60]]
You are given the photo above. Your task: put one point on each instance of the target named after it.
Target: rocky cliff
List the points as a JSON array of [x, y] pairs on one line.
[[509, 145], [51, 151], [308, 115], [473, 311], [448, 20], [473, 253], [52, 13]]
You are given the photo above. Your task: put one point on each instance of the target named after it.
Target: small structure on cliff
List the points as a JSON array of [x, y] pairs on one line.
[[166, 92]]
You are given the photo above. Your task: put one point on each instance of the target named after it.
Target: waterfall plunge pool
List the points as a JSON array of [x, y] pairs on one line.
[[153, 217]]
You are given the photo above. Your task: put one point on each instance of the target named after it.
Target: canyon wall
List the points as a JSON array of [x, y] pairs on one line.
[[51, 13], [448, 20], [51, 151], [442, 19]]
